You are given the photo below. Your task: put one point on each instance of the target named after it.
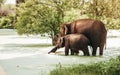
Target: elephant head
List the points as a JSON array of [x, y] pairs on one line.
[[61, 42]]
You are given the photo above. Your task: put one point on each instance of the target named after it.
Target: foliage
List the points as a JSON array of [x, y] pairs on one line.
[[55, 11], [39, 17], [101, 8], [112, 67], [36, 18], [112, 23], [7, 22], [7, 16], [105, 10], [1, 2]]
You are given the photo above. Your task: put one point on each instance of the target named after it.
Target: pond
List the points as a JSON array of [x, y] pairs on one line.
[[28, 55]]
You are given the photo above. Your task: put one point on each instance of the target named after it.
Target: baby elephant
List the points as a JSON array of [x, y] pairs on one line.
[[74, 42]]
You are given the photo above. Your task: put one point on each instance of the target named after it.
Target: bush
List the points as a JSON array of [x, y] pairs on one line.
[[113, 23], [112, 67], [7, 22]]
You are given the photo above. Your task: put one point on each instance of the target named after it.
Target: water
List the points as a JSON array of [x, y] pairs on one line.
[[27, 55]]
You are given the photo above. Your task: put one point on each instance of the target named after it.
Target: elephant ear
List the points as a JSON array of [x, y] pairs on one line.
[[62, 41], [64, 30]]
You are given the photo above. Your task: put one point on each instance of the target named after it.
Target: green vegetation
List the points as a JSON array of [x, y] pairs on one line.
[[1, 2], [111, 67], [7, 16], [39, 17], [7, 22]]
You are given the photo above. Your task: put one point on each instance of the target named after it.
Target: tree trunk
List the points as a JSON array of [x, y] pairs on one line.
[[54, 38], [54, 41]]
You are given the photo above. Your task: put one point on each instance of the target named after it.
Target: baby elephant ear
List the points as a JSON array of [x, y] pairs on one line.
[[62, 40], [64, 30]]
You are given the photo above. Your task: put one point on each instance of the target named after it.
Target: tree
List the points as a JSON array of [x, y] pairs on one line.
[[7, 22], [37, 17], [100, 8], [1, 2], [40, 17], [19, 1]]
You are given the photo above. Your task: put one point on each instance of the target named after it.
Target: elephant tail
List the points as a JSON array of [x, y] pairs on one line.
[[105, 43]]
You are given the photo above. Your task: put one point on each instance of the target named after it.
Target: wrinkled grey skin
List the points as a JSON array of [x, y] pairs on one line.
[[74, 42]]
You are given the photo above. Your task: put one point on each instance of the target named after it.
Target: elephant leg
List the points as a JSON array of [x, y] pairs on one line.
[[87, 52], [67, 47], [103, 42], [77, 52], [94, 51], [72, 52], [66, 50], [101, 50]]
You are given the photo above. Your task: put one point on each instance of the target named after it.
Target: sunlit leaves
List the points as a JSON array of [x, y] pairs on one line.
[[35, 17], [46, 16]]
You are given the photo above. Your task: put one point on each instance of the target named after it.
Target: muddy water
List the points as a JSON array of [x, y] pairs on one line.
[[27, 55]]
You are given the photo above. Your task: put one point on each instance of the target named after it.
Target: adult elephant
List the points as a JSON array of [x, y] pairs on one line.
[[94, 30]]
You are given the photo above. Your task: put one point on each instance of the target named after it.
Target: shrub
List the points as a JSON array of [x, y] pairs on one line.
[[112, 67], [7, 22]]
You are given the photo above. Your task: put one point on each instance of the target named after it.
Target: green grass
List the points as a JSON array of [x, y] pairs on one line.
[[111, 67]]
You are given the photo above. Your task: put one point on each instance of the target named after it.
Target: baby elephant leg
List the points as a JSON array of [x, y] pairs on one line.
[[86, 52], [74, 51], [66, 50]]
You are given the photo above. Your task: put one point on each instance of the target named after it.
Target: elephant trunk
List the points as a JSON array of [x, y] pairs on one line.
[[54, 49]]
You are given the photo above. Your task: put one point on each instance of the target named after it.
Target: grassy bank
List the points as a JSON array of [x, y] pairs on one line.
[[111, 67]]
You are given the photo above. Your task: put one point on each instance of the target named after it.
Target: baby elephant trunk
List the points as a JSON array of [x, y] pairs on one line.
[[53, 50]]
